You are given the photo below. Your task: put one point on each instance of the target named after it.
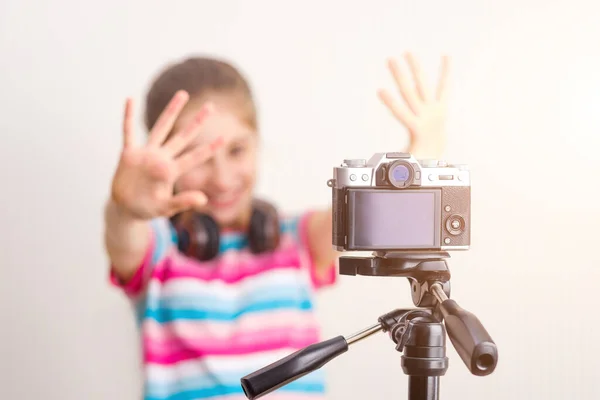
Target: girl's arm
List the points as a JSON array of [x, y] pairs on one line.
[[320, 242], [423, 113], [142, 187], [126, 241]]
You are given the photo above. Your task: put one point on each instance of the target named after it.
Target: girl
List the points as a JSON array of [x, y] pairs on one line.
[[223, 283]]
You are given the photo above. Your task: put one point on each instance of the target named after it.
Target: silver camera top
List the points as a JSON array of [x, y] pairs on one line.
[[399, 170]]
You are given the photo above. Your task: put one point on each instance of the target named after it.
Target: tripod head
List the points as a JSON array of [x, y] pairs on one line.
[[419, 333]]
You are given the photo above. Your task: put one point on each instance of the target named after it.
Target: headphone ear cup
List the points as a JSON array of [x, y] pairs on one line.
[[264, 232], [210, 236], [197, 235]]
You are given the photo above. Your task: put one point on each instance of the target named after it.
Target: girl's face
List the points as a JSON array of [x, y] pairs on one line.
[[228, 177]]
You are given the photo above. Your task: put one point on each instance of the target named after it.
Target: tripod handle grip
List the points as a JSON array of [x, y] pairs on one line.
[[470, 339], [292, 367]]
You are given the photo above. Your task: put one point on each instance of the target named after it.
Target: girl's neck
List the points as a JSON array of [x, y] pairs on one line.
[[240, 224]]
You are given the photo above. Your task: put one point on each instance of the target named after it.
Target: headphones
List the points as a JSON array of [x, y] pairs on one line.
[[198, 234]]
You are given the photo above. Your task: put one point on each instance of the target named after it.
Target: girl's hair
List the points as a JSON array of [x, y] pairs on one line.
[[201, 77]]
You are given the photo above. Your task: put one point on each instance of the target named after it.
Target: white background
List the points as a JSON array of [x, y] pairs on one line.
[[524, 115]]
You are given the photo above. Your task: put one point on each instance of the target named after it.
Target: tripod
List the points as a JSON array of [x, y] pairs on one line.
[[419, 333]]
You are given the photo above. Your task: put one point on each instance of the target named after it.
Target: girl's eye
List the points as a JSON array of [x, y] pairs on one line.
[[237, 150]]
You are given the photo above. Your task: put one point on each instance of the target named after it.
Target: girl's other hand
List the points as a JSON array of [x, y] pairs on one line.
[[423, 111]]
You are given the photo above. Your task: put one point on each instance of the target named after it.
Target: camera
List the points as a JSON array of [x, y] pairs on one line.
[[396, 203]]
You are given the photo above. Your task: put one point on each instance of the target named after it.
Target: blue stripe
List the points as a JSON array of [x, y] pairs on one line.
[[237, 389], [173, 234], [211, 385], [238, 241], [290, 225], [232, 241], [166, 315]]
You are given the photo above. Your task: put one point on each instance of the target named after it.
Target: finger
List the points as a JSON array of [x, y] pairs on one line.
[[444, 73], [167, 118], [406, 90], [184, 201], [128, 134], [402, 114], [418, 76], [180, 140], [197, 156]]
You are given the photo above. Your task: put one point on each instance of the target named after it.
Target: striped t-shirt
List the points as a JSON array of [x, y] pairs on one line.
[[205, 325]]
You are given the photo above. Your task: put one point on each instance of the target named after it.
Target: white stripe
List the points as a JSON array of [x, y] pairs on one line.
[[220, 289], [216, 364]]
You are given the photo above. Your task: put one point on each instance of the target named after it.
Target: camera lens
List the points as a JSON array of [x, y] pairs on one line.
[[400, 174]]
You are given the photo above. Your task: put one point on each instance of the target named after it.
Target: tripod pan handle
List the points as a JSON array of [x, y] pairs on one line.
[[292, 367], [470, 339]]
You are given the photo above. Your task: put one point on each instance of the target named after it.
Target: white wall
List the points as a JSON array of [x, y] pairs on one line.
[[524, 116]]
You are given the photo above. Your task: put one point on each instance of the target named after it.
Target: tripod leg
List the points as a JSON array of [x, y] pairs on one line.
[[423, 387]]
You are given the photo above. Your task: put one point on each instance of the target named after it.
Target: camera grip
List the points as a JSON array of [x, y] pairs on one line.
[[292, 367], [470, 339]]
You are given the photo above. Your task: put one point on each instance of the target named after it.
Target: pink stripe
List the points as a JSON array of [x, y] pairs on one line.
[[266, 340], [228, 269], [207, 330]]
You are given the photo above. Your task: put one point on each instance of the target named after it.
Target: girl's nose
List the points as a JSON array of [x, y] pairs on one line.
[[223, 177]]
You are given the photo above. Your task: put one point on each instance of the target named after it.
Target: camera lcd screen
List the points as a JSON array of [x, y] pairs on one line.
[[393, 219]]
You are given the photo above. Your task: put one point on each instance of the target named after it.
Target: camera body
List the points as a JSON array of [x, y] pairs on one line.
[[396, 203]]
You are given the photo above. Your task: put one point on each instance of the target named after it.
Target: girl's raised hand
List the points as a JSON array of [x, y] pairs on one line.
[[143, 184], [423, 111]]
